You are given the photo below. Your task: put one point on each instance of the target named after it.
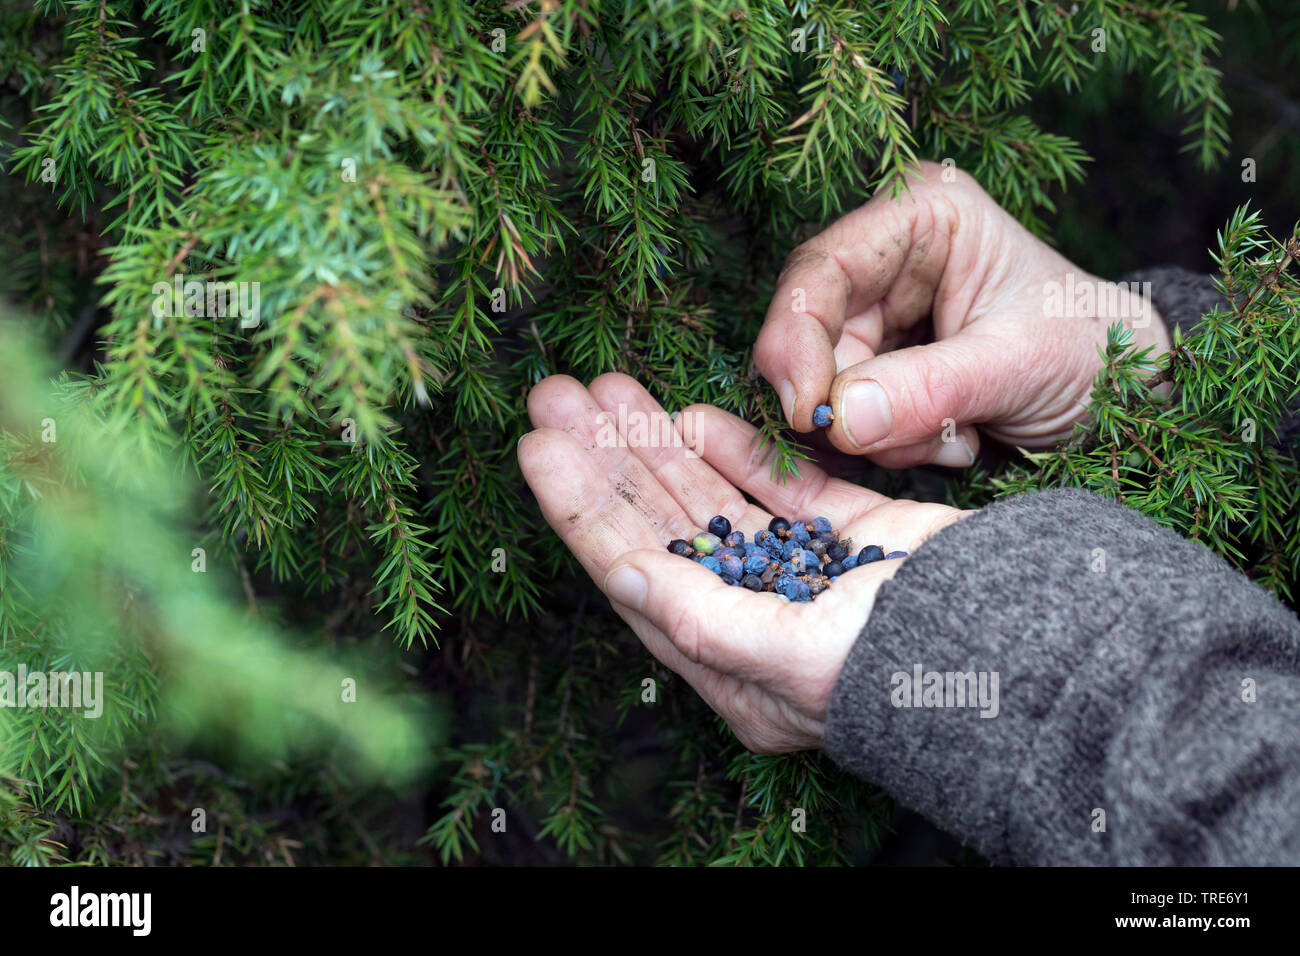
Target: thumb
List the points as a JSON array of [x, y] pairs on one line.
[[709, 622], [914, 395]]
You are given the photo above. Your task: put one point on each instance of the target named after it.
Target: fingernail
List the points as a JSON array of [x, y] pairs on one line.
[[865, 413], [626, 585], [954, 454], [785, 392]]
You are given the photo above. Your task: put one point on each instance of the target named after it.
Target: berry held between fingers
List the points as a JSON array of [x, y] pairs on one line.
[[797, 560], [823, 416]]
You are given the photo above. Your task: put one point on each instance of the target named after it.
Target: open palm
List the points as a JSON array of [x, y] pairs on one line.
[[767, 667]]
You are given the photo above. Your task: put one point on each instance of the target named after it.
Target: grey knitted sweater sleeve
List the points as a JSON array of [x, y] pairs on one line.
[[1057, 679]]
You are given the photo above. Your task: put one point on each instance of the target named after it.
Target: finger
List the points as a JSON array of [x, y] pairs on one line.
[[730, 446], [561, 402], [883, 261], [582, 504], [601, 527], [716, 625], [952, 449], [912, 395], [676, 465]]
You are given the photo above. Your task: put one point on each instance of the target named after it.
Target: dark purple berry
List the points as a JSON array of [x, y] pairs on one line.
[[720, 526], [837, 551], [733, 539], [823, 416], [821, 524], [871, 552], [834, 569], [895, 554], [683, 548], [799, 534], [752, 581], [731, 566], [710, 562], [778, 525]]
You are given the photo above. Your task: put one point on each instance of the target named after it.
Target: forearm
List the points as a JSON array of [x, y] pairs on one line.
[[1121, 652]]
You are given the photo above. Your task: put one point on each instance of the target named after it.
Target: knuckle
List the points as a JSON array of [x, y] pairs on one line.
[[687, 634], [939, 388], [803, 255]]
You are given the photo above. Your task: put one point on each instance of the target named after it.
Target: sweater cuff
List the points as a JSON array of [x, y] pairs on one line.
[[994, 665], [1181, 297]]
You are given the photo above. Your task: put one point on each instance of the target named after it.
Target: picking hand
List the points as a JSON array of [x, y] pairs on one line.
[[851, 303], [768, 668]]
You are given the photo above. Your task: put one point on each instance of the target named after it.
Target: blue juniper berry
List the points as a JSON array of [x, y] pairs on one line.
[[872, 552], [731, 566]]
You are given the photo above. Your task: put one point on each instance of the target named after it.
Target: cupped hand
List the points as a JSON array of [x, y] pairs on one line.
[[618, 479], [1012, 345]]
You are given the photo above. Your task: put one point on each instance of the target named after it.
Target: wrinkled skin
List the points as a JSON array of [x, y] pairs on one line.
[[767, 667], [865, 288]]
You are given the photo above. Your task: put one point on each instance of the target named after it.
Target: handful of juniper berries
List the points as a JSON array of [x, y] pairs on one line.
[[797, 560]]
